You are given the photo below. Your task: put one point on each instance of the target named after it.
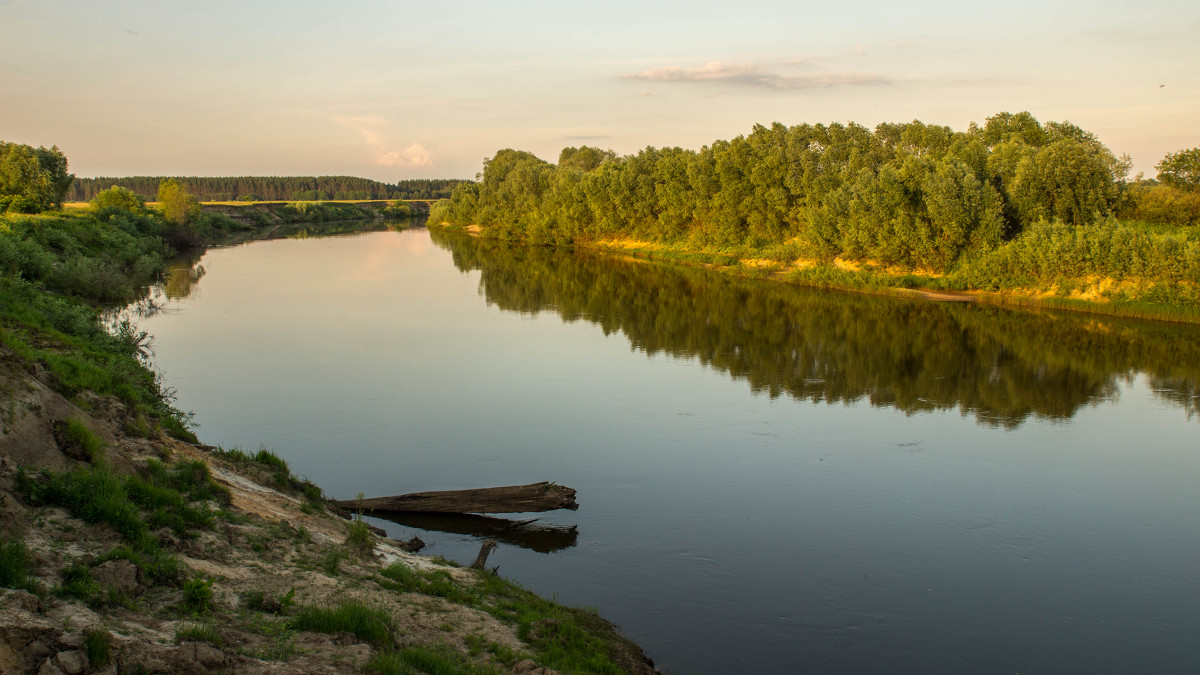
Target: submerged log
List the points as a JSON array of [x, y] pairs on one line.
[[509, 499]]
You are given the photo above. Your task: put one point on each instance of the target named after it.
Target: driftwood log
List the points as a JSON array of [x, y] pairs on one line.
[[508, 499]]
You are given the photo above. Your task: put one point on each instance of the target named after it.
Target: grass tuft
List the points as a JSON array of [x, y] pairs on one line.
[[371, 624]]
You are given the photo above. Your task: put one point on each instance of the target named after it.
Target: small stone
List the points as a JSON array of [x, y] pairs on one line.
[[72, 662], [526, 666]]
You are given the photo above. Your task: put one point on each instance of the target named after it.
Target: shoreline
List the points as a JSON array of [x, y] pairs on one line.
[[856, 277], [126, 545]]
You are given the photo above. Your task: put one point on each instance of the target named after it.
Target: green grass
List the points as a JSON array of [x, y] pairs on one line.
[[77, 582], [198, 595], [359, 538], [14, 567], [371, 624], [200, 632], [97, 644], [439, 660], [77, 433], [563, 638]]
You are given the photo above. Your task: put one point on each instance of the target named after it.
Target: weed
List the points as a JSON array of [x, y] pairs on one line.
[[77, 433], [359, 538], [331, 562], [369, 623], [77, 582], [198, 595], [199, 632], [97, 644], [439, 660], [14, 567]]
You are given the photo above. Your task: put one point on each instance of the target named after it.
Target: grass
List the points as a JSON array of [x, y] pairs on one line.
[[97, 645], [371, 624], [14, 567], [198, 595], [359, 538], [199, 632], [563, 638], [440, 660], [77, 433]]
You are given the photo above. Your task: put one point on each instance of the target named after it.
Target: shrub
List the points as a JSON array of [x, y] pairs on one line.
[[198, 595]]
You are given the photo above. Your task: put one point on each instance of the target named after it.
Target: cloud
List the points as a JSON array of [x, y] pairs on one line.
[[753, 75], [414, 156]]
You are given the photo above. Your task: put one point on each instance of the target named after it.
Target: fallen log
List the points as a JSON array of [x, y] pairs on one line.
[[509, 499]]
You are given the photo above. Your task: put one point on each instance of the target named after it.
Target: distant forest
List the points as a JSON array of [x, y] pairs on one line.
[[272, 188]]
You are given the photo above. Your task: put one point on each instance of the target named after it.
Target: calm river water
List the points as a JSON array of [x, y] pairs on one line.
[[771, 479]]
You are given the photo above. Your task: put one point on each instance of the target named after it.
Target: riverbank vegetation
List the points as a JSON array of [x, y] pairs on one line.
[[1012, 206]]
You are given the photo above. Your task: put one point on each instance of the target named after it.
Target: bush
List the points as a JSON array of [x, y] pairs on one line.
[[119, 198], [198, 595]]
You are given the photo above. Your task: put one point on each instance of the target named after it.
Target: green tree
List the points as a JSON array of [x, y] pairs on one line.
[[178, 206], [37, 175], [1181, 169], [120, 198]]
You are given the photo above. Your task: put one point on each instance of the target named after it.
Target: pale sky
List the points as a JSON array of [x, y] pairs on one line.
[[395, 90]]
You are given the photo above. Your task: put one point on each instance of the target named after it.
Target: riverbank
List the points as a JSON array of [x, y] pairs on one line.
[[1127, 297], [127, 547]]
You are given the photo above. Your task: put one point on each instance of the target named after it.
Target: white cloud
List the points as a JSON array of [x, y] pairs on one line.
[[753, 75], [412, 157]]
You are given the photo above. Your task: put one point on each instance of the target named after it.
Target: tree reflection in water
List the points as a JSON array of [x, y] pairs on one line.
[[999, 365]]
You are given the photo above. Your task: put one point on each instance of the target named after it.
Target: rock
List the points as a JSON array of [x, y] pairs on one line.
[[24, 600], [119, 574], [39, 650], [526, 666], [197, 657], [48, 668], [72, 662]]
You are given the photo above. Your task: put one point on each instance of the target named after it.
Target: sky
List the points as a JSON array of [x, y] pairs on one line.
[[397, 90]]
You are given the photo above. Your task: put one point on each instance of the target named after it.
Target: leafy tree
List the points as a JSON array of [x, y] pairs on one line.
[[37, 175], [178, 206], [1181, 169], [119, 198]]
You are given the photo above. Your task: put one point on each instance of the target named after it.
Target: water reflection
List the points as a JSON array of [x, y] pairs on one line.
[[535, 536], [1000, 366]]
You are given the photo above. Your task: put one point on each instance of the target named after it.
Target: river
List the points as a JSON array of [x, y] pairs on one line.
[[770, 478]]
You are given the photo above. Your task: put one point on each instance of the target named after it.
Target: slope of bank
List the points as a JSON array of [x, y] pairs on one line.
[[126, 547]]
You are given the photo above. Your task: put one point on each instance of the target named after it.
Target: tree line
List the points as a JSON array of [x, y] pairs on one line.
[[271, 188], [910, 194]]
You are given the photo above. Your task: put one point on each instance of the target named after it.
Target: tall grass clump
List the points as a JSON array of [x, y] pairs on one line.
[[14, 567], [369, 623]]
